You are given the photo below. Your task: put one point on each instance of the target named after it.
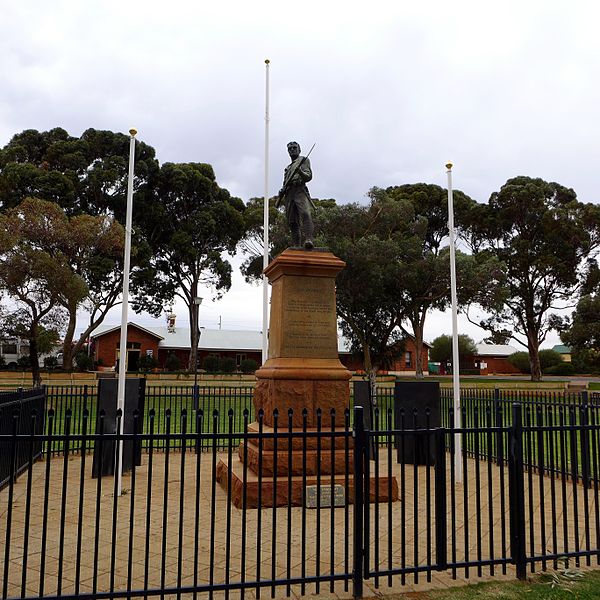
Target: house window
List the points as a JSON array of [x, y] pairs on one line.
[[239, 358], [408, 360], [131, 345], [9, 348]]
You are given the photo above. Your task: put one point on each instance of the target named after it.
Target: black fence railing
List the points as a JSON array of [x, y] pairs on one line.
[[21, 413], [336, 512]]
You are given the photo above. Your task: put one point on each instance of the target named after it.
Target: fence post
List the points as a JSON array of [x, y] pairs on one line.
[[358, 433], [517, 492], [586, 478], [441, 529], [499, 420], [196, 397]]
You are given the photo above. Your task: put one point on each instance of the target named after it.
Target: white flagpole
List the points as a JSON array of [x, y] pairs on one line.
[[455, 359], [124, 306], [265, 320]]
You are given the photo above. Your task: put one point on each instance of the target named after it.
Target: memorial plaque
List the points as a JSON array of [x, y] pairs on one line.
[[309, 325], [339, 496]]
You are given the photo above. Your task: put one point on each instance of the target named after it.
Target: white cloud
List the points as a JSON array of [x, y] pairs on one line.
[[388, 90]]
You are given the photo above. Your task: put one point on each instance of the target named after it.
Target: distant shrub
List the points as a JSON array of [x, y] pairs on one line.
[[470, 371], [520, 360], [248, 365], [2, 361], [24, 362], [227, 365], [84, 362], [147, 363], [50, 362], [548, 358], [172, 362], [564, 368], [210, 364]]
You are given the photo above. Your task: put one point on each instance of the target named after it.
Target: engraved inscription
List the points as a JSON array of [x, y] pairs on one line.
[[309, 324], [339, 496]]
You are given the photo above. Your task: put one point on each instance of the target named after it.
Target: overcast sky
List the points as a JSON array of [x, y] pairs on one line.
[[389, 91]]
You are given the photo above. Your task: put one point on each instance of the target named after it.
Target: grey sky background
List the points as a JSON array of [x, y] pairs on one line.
[[389, 91]]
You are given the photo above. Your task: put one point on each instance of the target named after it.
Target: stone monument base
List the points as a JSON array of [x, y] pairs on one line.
[[303, 386], [268, 491]]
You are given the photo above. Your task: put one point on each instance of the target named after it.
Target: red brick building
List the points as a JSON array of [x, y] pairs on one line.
[[492, 359], [405, 363], [159, 342]]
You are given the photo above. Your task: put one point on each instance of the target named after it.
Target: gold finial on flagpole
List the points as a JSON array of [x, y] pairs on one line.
[[133, 132], [449, 165], [267, 61]]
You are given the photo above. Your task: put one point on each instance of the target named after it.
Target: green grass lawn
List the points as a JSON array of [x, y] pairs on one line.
[[581, 585]]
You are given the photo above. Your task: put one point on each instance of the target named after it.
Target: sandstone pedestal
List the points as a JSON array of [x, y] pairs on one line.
[[302, 373]]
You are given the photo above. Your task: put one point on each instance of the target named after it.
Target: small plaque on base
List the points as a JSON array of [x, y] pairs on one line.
[[339, 496]]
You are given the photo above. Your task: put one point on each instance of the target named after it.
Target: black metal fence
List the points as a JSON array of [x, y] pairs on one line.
[[21, 413], [282, 510]]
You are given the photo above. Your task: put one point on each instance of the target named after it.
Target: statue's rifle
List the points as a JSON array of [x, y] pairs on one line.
[[288, 182]]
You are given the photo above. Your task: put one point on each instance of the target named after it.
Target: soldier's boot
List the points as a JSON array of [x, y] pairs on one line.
[[308, 233]]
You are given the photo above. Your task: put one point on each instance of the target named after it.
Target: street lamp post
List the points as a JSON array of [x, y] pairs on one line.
[[197, 303]]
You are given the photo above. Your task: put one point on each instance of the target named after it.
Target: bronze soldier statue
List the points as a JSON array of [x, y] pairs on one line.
[[297, 197]]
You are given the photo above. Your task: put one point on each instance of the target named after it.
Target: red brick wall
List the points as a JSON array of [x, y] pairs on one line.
[[356, 363], [184, 355], [106, 345], [495, 365]]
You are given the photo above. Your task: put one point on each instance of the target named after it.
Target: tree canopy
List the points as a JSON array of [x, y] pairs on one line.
[[193, 223], [425, 270], [35, 272], [441, 348], [85, 176], [541, 235]]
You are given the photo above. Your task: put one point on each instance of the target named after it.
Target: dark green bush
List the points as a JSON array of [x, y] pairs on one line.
[[549, 358], [24, 362], [227, 365], [172, 362], [564, 368], [50, 362], [470, 371], [147, 363], [210, 364], [520, 360], [84, 362], [248, 365]]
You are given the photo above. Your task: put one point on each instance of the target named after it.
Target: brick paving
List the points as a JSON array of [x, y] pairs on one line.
[[163, 545]]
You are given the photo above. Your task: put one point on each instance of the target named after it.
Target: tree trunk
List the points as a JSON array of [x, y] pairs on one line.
[[534, 357], [194, 335], [34, 357], [370, 370], [418, 334], [68, 341]]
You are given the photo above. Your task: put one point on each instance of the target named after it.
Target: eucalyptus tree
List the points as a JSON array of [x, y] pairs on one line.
[[190, 226], [37, 277], [84, 175], [541, 236], [425, 274]]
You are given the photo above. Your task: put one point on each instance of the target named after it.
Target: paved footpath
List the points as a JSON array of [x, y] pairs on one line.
[[168, 547]]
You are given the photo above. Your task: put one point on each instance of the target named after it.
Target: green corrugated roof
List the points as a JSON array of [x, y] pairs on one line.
[[562, 349]]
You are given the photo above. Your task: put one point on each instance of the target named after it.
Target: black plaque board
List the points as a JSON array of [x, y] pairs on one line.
[[413, 398], [104, 451]]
